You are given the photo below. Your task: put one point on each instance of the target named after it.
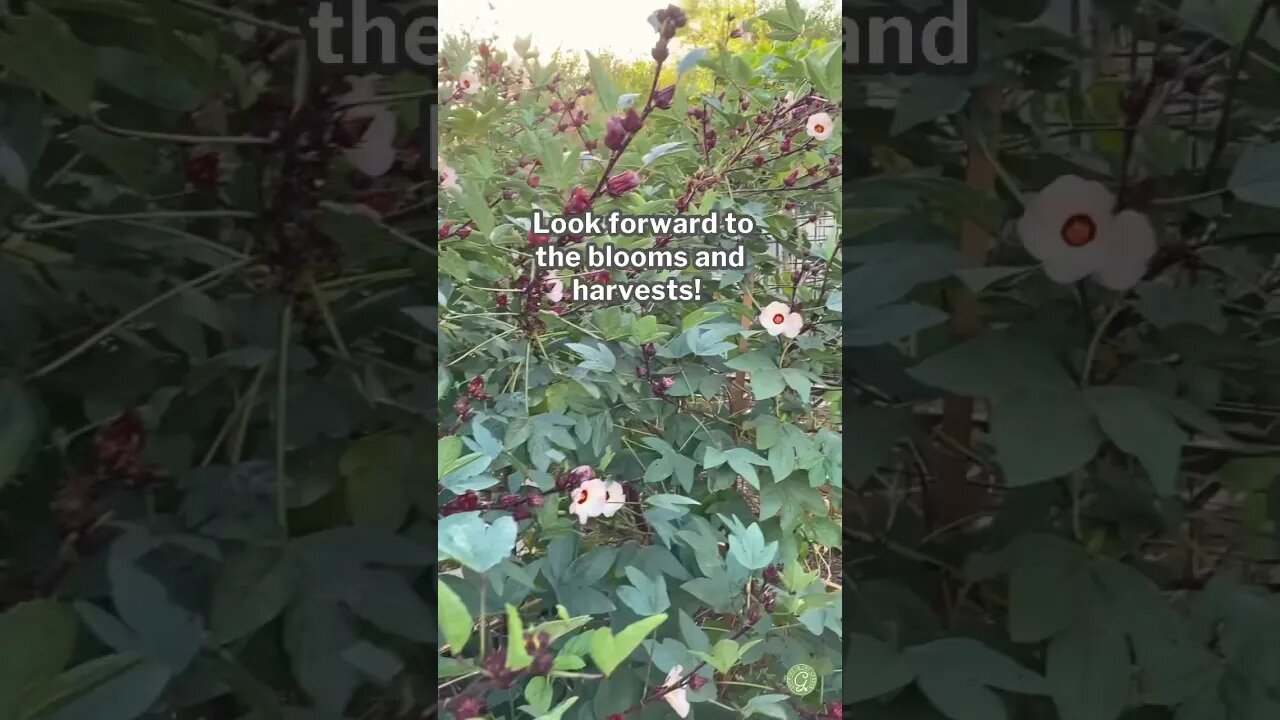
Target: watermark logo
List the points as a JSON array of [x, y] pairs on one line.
[[893, 39], [364, 36], [801, 679]]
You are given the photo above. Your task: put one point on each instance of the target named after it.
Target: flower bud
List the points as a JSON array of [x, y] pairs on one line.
[[623, 183], [466, 707], [632, 122], [649, 350], [533, 181], [663, 97], [660, 52], [615, 134], [543, 664], [579, 201], [790, 180], [757, 160]]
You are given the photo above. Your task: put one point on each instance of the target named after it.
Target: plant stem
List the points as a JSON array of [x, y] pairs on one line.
[[1223, 131], [282, 418], [237, 16], [134, 314]]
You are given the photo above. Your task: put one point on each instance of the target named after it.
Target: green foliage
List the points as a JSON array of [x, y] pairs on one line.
[[1067, 492], [722, 440]]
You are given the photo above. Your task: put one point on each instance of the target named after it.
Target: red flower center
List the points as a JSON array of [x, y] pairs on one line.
[[819, 128], [779, 319], [466, 83], [582, 496], [1079, 230]]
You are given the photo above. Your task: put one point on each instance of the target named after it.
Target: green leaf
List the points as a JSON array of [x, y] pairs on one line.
[[71, 684], [767, 383], [772, 705], [469, 540], [974, 662], [1166, 306], [148, 79], [471, 198], [887, 272], [1048, 585], [1140, 428], [928, 98], [120, 695], [132, 160], [539, 694], [518, 658], [165, 631], [606, 91], [253, 588], [41, 49], [448, 449], [558, 712], [17, 429], [691, 60], [375, 469], [992, 365], [37, 638], [1256, 178], [1021, 421], [872, 669], [316, 633], [891, 323], [667, 501], [386, 600], [1088, 670], [609, 650], [598, 358], [453, 618], [961, 699], [380, 665], [644, 596], [750, 549], [784, 27], [742, 461]]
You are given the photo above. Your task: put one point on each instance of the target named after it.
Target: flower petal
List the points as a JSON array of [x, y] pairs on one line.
[[793, 325], [376, 152], [771, 311], [1040, 227], [1129, 244], [678, 702], [615, 498]]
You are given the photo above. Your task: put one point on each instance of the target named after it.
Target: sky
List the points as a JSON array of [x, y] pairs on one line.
[[618, 26]]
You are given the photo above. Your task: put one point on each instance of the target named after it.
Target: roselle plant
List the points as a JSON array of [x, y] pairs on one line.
[[1061, 297], [684, 457], [214, 395]]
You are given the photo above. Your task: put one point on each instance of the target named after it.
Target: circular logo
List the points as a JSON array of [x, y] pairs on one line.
[[801, 679]]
